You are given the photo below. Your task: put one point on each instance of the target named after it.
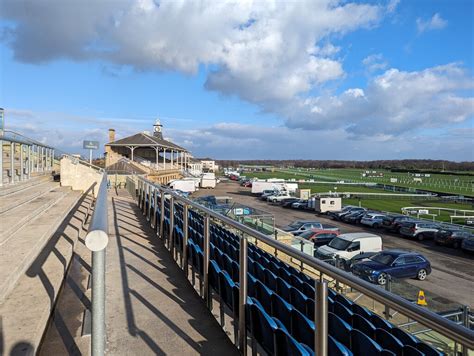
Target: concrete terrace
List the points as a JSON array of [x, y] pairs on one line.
[[151, 308]]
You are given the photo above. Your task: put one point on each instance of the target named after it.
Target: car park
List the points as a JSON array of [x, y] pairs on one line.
[[450, 237], [372, 219], [344, 212], [266, 193], [420, 230], [393, 223], [300, 204], [278, 197], [346, 246], [353, 218], [320, 237], [299, 226], [394, 264], [468, 245], [286, 203]]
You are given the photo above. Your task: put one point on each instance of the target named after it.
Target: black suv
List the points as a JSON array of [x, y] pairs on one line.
[[393, 223], [453, 238]]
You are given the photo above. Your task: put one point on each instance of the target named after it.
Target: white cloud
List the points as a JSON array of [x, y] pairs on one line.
[[435, 23], [375, 62], [393, 103]]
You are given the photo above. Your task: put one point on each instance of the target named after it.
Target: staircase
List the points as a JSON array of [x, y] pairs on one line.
[[40, 223]]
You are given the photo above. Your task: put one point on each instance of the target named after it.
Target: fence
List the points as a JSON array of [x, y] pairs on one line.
[[152, 199]]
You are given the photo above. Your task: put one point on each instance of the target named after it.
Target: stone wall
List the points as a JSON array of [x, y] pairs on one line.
[[79, 176]]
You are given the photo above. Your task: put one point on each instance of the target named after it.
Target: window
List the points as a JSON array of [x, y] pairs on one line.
[[332, 202], [323, 201], [400, 261], [355, 246], [413, 259]]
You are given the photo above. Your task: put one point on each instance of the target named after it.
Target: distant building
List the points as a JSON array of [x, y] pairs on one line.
[[209, 165], [195, 167], [161, 159], [256, 168]]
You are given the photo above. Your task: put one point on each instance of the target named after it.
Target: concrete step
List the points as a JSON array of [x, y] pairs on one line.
[[39, 258], [18, 198], [8, 189], [19, 248], [12, 220]]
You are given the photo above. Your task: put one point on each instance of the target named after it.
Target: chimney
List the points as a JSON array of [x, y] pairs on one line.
[[111, 135]]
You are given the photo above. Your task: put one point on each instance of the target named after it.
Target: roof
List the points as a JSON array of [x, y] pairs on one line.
[[357, 235], [143, 139], [123, 166]]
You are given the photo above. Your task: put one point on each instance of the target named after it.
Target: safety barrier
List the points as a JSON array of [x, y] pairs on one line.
[[152, 197]]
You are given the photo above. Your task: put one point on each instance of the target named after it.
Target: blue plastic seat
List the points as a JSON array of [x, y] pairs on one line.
[[380, 323], [229, 291], [362, 324], [363, 311], [283, 289], [308, 290], [235, 272], [428, 350], [404, 337], [262, 328], [285, 275], [335, 348], [214, 271], [388, 341], [296, 282], [287, 345], [343, 312], [259, 272], [339, 329], [263, 295], [361, 344], [344, 301], [251, 282], [281, 310], [302, 329], [299, 300], [270, 279], [411, 351], [227, 264]]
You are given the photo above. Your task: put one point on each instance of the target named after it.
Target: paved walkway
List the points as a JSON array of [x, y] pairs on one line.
[[151, 307]]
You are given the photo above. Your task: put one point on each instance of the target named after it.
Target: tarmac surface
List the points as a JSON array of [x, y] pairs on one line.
[[450, 284]]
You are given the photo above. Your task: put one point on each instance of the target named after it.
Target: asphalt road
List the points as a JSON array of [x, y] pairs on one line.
[[452, 277]]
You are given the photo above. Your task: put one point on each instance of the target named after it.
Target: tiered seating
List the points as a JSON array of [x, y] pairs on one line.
[[280, 305]]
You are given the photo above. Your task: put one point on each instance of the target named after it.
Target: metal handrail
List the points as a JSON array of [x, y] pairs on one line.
[[428, 318], [96, 240]]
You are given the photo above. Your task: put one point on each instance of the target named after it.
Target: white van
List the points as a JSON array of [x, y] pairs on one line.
[[347, 246]]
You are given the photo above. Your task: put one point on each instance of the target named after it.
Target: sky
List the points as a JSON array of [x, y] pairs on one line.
[[307, 79]]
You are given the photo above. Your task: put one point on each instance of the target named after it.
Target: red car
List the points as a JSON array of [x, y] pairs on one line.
[[320, 237]]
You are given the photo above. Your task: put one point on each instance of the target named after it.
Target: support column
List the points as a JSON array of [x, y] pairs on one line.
[[52, 158], [157, 150], [12, 162], [172, 159], [22, 165], [164, 158], [29, 162]]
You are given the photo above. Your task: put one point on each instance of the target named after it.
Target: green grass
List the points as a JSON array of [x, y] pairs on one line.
[[395, 206], [459, 185]]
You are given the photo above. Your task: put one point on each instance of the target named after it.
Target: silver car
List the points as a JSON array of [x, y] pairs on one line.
[[419, 230]]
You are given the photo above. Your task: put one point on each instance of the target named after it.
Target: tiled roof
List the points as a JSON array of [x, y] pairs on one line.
[[142, 139]]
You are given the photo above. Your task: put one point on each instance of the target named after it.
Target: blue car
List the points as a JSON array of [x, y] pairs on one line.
[[393, 263]]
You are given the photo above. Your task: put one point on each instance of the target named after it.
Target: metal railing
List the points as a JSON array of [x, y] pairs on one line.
[[437, 323], [96, 241]]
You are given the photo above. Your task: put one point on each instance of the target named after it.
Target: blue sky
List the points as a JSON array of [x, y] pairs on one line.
[[322, 80]]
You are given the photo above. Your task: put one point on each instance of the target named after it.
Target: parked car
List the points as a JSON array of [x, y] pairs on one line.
[[320, 237], [299, 226], [346, 246], [278, 197], [342, 213], [266, 193], [393, 223], [393, 263], [332, 214], [300, 204], [286, 203], [419, 230], [353, 218], [372, 219], [468, 244], [451, 237]]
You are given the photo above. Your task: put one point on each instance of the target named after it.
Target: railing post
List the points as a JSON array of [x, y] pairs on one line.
[[12, 162], [155, 207], [206, 261], [171, 232], [465, 323], [162, 213], [139, 194], [243, 294], [148, 213], [1, 162], [184, 261], [321, 319], [388, 287]]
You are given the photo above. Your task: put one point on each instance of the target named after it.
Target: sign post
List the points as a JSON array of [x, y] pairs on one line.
[[90, 145]]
